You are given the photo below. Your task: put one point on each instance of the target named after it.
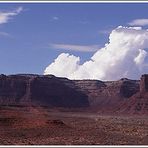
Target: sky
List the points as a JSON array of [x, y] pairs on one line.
[[77, 40]]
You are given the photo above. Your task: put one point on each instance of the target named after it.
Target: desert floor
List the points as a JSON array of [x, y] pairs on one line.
[[44, 126]]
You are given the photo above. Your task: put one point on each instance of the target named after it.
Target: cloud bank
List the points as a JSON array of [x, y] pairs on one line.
[[124, 56], [6, 16]]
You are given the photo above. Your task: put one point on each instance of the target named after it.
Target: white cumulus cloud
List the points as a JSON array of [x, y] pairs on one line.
[[139, 22], [5, 16], [123, 56], [64, 65]]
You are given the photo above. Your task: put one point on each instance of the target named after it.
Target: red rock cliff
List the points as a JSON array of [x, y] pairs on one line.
[[144, 83]]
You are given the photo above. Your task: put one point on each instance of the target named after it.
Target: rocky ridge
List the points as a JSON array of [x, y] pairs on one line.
[[28, 89], [137, 103]]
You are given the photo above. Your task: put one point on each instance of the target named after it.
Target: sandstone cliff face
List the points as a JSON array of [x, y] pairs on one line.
[[144, 83], [42, 90], [53, 92], [137, 103], [103, 94], [123, 95], [12, 88]]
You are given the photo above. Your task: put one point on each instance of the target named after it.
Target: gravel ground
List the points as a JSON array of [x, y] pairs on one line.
[[41, 126]]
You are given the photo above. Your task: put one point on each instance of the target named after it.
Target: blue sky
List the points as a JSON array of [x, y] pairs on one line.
[[29, 38]]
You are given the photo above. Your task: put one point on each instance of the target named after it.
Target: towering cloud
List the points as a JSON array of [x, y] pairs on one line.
[[64, 65], [124, 56]]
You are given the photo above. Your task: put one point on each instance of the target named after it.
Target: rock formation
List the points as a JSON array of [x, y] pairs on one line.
[[144, 83], [119, 96], [107, 93], [40, 90], [137, 103]]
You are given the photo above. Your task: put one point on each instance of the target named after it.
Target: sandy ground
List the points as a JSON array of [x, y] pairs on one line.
[[44, 126]]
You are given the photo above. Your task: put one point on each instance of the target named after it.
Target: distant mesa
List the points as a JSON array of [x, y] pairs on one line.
[[48, 90], [120, 96]]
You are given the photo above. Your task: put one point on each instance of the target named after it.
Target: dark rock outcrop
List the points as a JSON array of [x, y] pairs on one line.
[[137, 103], [53, 92], [42, 90], [105, 94], [123, 95], [144, 83], [12, 88]]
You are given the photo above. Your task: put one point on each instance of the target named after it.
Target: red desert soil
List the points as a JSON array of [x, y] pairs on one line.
[[43, 126]]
